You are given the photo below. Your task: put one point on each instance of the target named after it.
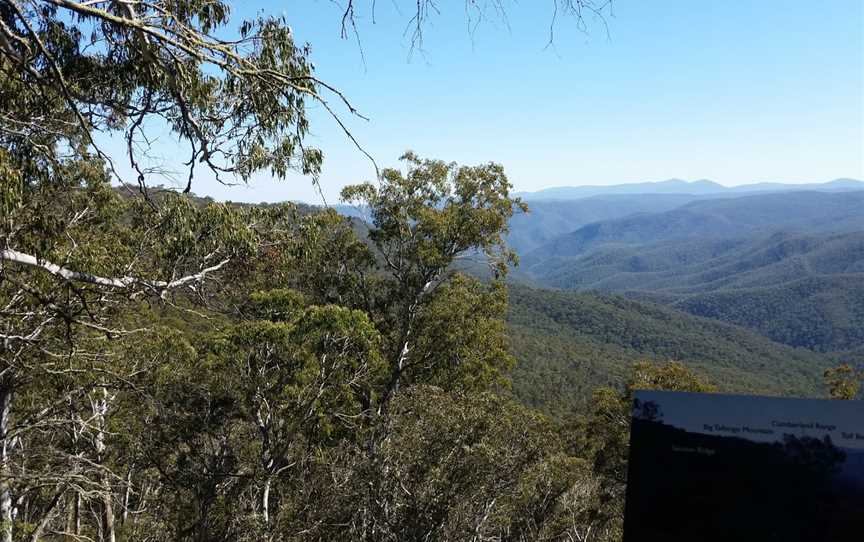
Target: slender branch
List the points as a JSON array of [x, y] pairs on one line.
[[110, 282]]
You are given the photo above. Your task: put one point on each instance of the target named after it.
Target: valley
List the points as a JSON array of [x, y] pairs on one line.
[[761, 291]]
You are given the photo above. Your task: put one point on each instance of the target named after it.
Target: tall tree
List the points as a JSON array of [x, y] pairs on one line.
[[75, 255], [88, 248], [423, 221]]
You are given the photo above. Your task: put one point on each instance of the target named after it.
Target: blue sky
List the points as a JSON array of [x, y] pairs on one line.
[[735, 92]]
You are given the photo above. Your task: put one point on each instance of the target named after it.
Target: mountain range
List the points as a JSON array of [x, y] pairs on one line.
[[708, 221], [551, 217], [759, 287], [678, 186], [787, 265]]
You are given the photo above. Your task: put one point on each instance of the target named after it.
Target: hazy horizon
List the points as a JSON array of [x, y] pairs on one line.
[[691, 181], [249, 190], [674, 90]]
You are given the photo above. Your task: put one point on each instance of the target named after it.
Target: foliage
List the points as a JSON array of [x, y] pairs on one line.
[[843, 381], [435, 212], [567, 344], [174, 369], [78, 261], [602, 435], [769, 262], [423, 220], [457, 466]]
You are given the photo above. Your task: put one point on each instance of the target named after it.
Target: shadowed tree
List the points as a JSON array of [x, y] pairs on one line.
[[603, 435], [843, 382]]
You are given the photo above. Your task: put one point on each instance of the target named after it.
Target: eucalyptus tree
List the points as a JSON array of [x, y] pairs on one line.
[[457, 466], [234, 421], [424, 221], [76, 254], [303, 381], [87, 245]]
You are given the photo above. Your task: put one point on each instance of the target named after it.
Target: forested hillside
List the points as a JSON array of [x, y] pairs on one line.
[[567, 344], [804, 212], [185, 369], [820, 313], [789, 266]]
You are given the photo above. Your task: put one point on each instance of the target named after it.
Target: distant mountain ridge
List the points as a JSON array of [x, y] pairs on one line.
[[806, 212], [787, 265], [700, 187], [546, 220]]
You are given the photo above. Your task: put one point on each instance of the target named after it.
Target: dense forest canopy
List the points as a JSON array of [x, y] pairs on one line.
[[178, 369], [787, 264]]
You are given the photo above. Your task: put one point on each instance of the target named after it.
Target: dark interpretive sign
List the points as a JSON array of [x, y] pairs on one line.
[[710, 467]]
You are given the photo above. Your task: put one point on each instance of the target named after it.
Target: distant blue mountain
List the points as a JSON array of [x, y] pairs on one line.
[[806, 212], [354, 211], [701, 187], [789, 265]]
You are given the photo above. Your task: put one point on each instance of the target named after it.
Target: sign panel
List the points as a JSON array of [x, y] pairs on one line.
[[714, 467]]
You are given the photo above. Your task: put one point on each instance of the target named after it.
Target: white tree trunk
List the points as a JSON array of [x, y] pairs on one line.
[[40, 529], [73, 518], [100, 411], [126, 497], [5, 471], [107, 513], [110, 282], [77, 514], [265, 501]]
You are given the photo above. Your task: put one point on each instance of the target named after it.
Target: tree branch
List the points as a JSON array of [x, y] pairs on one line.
[[110, 282]]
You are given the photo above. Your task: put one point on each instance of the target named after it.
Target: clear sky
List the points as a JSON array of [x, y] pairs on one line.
[[736, 92]]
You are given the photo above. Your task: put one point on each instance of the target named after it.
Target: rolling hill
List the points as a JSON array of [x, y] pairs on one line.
[[789, 266], [568, 343], [547, 220], [805, 212]]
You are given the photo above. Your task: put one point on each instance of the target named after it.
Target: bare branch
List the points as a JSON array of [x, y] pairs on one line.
[[110, 282]]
